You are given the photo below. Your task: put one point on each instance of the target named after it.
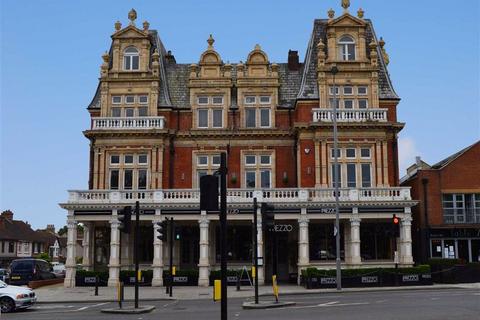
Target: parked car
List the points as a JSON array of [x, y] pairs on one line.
[[58, 269], [24, 270], [13, 297], [4, 275]]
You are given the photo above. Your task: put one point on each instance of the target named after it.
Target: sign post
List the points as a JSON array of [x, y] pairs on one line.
[[255, 248], [223, 233]]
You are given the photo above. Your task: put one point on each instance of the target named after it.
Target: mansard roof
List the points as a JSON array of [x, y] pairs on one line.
[[294, 84]]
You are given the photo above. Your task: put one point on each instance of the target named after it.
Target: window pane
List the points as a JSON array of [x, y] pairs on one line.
[[265, 117], [142, 159], [116, 99], [362, 103], [249, 160], [366, 175], [339, 153], [202, 100], [128, 159], [448, 197], [265, 178], [337, 90], [348, 104], [217, 118], [114, 159], [127, 64], [114, 179], [365, 152], [216, 160], [264, 99], [142, 111], [129, 112], [250, 179], [351, 52], [350, 153], [143, 99], [362, 90], [351, 175], [202, 118], [217, 100], [202, 160], [331, 102], [339, 168], [135, 60], [250, 118], [116, 112], [128, 179], [142, 179], [265, 159], [348, 90], [129, 99], [250, 99]]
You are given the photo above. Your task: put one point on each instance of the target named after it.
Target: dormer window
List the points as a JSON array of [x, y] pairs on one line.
[[131, 59], [347, 48]]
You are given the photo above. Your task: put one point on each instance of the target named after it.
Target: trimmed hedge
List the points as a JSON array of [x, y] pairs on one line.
[[314, 272], [444, 262], [182, 273]]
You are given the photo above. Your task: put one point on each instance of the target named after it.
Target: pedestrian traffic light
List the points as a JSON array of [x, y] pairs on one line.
[[396, 226], [178, 233], [125, 218], [162, 230], [268, 217]]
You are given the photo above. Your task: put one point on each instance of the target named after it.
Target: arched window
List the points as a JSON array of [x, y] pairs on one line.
[[130, 59], [347, 48]]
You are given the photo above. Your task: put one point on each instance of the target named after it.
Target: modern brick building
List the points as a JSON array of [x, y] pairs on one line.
[[157, 126], [446, 222]]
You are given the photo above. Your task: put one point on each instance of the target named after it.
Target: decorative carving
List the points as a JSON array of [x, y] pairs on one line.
[[118, 25], [331, 13], [360, 13], [146, 25], [132, 16], [386, 58], [106, 57], [210, 42], [345, 4]]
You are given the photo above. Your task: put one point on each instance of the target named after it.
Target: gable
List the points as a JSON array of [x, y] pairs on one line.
[[129, 32], [346, 20]]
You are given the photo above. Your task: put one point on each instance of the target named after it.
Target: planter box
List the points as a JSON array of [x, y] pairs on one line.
[[181, 281], [456, 274]]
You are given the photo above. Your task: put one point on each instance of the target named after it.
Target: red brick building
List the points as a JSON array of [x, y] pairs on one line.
[[157, 126], [446, 222]]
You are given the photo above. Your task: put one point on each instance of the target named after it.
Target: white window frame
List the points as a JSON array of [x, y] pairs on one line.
[[129, 96], [269, 159], [344, 46], [131, 56], [202, 103], [366, 104], [146, 156], [354, 151], [259, 111], [362, 94], [140, 99], [115, 163], [117, 96], [345, 105], [125, 159], [369, 153], [213, 118], [217, 103], [202, 156], [348, 94], [254, 160], [269, 98], [250, 103], [198, 118]]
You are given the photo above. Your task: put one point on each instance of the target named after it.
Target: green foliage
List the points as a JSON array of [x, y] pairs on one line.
[[444, 262], [43, 256], [183, 273], [314, 272]]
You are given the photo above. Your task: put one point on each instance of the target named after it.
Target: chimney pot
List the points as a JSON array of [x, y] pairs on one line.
[[293, 60]]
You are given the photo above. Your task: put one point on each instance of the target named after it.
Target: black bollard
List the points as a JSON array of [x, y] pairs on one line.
[[96, 285]]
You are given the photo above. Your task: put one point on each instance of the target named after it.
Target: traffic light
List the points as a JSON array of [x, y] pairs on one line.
[[268, 217], [125, 218], [178, 233], [396, 226], [162, 230], [209, 193]]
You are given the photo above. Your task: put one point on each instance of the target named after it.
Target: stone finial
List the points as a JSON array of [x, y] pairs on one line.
[[385, 56], [118, 25], [360, 13], [345, 4], [381, 42], [257, 47], [132, 16], [331, 13], [146, 25], [274, 68], [106, 57], [155, 55], [210, 42]]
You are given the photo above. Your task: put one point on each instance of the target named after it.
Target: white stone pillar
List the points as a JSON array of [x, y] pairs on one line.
[[204, 261], [114, 262], [260, 253], [70, 263], [157, 265], [354, 251], [303, 243], [87, 245], [406, 257]]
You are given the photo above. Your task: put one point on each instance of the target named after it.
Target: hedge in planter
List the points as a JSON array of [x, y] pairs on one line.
[[128, 277], [84, 278], [182, 277]]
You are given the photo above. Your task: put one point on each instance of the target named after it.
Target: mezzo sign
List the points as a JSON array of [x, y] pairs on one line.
[[410, 278], [328, 280], [180, 279], [373, 279], [282, 228]]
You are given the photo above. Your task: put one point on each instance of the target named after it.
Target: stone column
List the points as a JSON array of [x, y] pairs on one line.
[[354, 251], [157, 265], [204, 261], [260, 253], [406, 257], [88, 230], [70, 264], [303, 243], [114, 263]]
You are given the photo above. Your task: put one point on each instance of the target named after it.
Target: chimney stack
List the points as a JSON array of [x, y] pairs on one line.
[[7, 214], [293, 61], [51, 228]]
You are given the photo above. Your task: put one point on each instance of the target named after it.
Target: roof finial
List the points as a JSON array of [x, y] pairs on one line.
[[210, 41], [360, 13], [118, 25], [345, 5], [331, 13], [257, 47], [132, 16]]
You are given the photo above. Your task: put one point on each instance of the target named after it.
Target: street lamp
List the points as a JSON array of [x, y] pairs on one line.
[[334, 71]]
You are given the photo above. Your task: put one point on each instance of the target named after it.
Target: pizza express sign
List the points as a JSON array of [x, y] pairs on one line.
[[455, 233]]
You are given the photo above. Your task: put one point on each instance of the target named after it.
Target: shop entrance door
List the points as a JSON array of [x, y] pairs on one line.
[[463, 250], [282, 257], [188, 239]]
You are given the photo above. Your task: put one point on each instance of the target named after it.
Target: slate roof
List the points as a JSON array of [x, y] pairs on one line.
[[301, 84], [443, 163], [18, 230]]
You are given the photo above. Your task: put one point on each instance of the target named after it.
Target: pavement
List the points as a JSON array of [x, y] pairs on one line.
[[59, 294]]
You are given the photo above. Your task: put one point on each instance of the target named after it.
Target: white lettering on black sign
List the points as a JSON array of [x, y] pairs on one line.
[[373, 279], [232, 279], [180, 279], [90, 280], [283, 228], [327, 210], [410, 278], [328, 280]]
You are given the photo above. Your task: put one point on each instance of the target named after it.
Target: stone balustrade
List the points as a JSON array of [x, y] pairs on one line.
[[350, 115], [117, 123]]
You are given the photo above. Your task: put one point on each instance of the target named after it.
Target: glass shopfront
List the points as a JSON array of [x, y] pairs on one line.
[[376, 241], [457, 243], [239, 243], [101, 248], [322, 242]]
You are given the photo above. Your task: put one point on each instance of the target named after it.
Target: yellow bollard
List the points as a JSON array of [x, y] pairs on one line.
[[217, 290], [174, 270], [275, 287], [139, 275], [254, 272]]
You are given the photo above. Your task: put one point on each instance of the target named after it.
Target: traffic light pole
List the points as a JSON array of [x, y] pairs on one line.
[[255, 247], [274, 253], [135, 248], [223, 233], [171, 257]]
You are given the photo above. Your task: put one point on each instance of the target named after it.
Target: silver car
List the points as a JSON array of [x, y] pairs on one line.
[[13, 297]]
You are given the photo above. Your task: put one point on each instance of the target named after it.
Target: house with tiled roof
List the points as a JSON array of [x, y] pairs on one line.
[[446, 221], [157, 126]]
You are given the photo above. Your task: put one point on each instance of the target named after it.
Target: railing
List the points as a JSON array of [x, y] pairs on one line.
[[284, 195], [350, 115], [115, 123]]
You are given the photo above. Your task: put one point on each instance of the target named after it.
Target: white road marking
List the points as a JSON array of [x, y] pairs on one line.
[[434, 298], [380, 301], [326, 304], [348, 304], [92, 306]]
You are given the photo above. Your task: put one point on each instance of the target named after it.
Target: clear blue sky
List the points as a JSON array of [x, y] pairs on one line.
[[51, 53]]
